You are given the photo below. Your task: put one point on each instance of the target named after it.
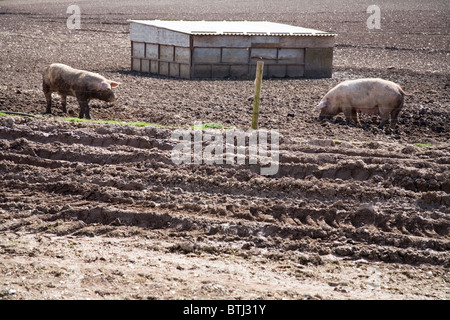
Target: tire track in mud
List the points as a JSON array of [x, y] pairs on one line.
[[359, 200]]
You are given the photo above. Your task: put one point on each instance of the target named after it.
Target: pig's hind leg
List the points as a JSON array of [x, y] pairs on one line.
[[396, 110], [384, 114], [394, 116]]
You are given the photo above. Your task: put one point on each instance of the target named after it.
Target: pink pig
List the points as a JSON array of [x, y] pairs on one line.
[[83, 85], [368, 96]]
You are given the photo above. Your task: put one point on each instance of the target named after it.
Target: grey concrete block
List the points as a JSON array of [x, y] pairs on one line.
[[318, 62]]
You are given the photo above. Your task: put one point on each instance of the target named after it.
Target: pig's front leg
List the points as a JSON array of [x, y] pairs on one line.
[[88, 116], [84, 107], [348, 113], [48, 98], [355, 117], [64, 103]]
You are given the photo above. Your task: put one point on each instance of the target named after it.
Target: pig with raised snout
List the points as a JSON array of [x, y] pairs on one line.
[[368, 96], [83, 85]]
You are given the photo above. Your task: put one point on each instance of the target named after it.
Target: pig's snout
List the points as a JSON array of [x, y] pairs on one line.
[[111, 97]]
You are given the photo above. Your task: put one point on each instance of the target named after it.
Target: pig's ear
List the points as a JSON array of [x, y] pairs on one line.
[[101, 85], [114, 84], [322, 104]]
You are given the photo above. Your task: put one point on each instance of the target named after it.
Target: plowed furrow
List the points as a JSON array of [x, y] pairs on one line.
[[325, 199]]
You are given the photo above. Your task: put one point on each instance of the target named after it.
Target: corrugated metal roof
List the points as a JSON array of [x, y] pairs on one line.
[[251, 28]]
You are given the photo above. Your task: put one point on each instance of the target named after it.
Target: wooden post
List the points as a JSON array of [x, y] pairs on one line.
[[258, 80]]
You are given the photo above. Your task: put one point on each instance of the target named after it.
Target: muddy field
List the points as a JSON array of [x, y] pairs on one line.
[[100, 211]]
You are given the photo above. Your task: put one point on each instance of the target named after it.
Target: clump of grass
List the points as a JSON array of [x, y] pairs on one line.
[[204, 126], [423, 145], [133, 123], [137, 124], [19, 114], [144, 124]]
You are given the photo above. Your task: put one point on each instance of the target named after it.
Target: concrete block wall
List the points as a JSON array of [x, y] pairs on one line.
[[175, 54]]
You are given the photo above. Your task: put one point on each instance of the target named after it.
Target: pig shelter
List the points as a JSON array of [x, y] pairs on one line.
[[229, 49]]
